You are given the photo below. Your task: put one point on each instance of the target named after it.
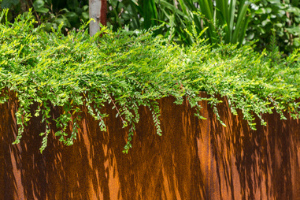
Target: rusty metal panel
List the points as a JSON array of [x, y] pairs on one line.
[[193, 159]]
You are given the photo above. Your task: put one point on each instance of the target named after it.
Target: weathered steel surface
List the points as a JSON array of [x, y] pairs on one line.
[[194, 159]]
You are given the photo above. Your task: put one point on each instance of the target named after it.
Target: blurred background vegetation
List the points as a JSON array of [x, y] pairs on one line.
[[269, 22]]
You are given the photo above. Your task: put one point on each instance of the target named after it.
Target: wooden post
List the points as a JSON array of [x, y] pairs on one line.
[[97, 11]]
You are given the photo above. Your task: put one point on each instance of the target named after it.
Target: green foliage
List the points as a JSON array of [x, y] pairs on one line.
[[129, 69], [9, 3], [284, 18], [13, 5], [224, 13], [52, 13], [180, 16], [71, 14], [227, 21]]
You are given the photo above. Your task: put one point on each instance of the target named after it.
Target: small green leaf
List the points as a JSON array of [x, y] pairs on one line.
[[260, 11], [42, 10], [38, 4]]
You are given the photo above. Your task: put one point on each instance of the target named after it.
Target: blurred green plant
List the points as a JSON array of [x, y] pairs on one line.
[[232, 15], [52, 13], [224, 19], [282, 16]]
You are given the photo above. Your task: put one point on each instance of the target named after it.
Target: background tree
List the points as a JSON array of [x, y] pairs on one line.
[[97, 11]]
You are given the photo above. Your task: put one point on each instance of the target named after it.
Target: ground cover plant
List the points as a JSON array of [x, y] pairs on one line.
[[130, 69]]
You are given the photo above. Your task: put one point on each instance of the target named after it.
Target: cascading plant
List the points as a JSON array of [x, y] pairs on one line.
[[130, 69]]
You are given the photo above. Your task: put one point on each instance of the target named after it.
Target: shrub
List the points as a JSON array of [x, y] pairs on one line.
[[129, 69]]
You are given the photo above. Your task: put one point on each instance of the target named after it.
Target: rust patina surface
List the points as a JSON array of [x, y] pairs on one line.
[[194, 159]]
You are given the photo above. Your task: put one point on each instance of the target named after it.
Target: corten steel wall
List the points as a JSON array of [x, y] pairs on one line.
[[194, 159]]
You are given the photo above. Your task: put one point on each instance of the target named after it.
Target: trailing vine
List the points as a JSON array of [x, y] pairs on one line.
[[132, 69]]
